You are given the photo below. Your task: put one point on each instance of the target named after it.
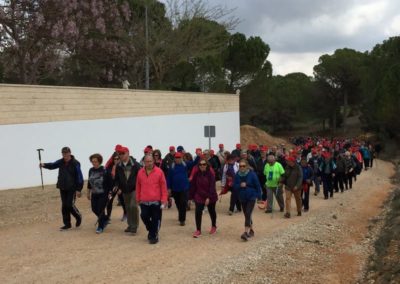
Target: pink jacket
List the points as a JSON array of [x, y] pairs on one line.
[[152, 187]]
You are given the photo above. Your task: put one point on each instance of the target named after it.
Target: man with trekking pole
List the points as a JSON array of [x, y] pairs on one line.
[[70, 183]]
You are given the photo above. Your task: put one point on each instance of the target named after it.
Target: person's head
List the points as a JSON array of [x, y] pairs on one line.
[[347, 155], [124, 154], [180, 149], [206, 154], [148, 162], [263, 151], [115, 158], [203, 165], [148, 151], [274, 149], [178, 158], [243, 154], [157, 154], [66, 153], [238, 146], [198, 151], [230, 159], [172, 150], [303, 162], [221, 147], [243, 165], [291, 161], [187, 157], [96, 160], [271, 159]]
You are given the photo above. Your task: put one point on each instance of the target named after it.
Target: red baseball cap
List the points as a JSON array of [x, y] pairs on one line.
[[171, 148], [123, 150], [291, 159], [221, 145], [178, 155], [238, 146]]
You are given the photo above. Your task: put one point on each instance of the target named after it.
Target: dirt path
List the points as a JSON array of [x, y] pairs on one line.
[[326, 245]]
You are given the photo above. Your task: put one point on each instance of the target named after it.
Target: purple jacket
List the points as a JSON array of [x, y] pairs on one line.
[[202, 187]]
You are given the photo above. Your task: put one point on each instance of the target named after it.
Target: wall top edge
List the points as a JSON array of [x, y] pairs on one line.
[[116, 90]]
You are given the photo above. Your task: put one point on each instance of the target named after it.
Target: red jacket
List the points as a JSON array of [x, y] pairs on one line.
[[152, 187]]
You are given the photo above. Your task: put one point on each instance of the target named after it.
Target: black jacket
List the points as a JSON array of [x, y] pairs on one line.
[[127, 185], [69, 174]]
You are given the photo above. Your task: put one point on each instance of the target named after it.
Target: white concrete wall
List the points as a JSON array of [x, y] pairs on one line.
[[18, 142]]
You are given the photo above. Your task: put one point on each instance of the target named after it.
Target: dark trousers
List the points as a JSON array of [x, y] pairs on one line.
[[181, 203], [327, 183], [305, 196], [349, 180], [235, 200], [99, 202], [339, 181], [366, 163], [151, 216], [248, 207], [371, 162], [199, 214], [68, 206]]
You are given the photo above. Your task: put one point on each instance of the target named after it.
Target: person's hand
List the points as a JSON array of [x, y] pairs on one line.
[[351, 170], [242, 184], [78, 194], [207, 202], [333, 175], [119, 192], [41, 165], [295, 188]]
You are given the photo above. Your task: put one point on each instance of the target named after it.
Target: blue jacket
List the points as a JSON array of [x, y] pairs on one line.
[[252, 191], [178, 179], [307, 173]]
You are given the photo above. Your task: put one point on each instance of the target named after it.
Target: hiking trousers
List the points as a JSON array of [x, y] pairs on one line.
[[68, 207], [132, 210], [278, 193]]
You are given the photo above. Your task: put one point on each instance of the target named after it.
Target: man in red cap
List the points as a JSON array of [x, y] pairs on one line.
[[293, 179], [327, 170], [237, 151], [125, 179]]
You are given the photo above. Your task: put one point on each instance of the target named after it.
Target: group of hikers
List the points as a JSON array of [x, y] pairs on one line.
[[254, 176]]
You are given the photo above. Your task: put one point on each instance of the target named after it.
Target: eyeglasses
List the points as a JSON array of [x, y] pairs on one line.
[[202, 164], [242, 166]]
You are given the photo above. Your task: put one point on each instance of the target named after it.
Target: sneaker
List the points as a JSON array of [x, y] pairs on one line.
[[213, 230], [251, 233], [230, 213], [244, 237], [287, 215], [153, 241], [64, 228], [99, 230], [123, 218], [78, 222], [196, 234]]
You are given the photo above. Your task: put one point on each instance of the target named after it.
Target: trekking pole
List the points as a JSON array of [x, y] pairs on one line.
[[272, 204], [40, 161]]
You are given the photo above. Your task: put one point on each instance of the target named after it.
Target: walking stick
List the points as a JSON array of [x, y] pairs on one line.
[[40, 161]]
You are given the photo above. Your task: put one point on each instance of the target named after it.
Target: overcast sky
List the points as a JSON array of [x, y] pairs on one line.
[[300, 31]]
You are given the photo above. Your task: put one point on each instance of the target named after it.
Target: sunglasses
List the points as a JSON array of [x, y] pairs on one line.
[[202, 164]]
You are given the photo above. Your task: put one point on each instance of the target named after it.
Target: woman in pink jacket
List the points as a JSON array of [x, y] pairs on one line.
[[203, 193]]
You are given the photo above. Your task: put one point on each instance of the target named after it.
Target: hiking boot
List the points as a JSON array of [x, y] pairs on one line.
[[99, 230], [65, 227], [244, 237], [251, 233], [78, 222], [299, 213], [287, 215], [197, 234], [268, 211], [213, 230]]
